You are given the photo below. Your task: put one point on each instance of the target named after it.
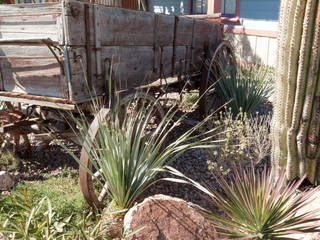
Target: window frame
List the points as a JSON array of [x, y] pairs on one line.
[[229, 15], [192, 10], [214, 6]]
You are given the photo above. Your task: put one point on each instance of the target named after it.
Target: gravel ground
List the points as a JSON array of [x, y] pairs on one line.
[[192, 163]]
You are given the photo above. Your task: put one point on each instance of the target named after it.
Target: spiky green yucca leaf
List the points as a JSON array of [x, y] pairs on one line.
[[245, 88], [258, 207], [129, 154]]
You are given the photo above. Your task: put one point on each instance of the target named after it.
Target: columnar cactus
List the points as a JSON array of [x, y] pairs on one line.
[[296, 120]]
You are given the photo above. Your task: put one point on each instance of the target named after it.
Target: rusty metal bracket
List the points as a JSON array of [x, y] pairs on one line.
[[174, 45], [193, 41], [1, 79], [88, 44], [155, 41], [56, 57]]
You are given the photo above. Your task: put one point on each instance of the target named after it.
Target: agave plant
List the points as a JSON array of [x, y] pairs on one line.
[[256, 206]]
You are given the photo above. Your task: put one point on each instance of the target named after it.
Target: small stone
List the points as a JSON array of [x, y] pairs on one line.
[[164, 217], [6, 181]]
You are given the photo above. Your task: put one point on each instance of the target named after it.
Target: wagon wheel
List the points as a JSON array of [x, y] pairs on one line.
[[220, 60], [94, 194]]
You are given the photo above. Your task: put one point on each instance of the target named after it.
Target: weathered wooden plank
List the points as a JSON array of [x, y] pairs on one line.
[[121, 27], [124, 27], [184, 31], [29, 27], [75, 23], [29, 9], [165, 30], [132, 65], [32, 76], [10, 50], [37, 100], [207, 31], [78, 69]]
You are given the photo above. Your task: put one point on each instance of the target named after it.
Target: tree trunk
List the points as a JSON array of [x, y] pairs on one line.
[[296, 119]]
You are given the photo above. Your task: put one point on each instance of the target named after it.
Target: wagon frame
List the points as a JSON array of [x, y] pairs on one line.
[[81, 49]]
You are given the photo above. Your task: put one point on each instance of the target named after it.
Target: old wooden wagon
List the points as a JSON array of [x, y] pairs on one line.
[[57, 56]]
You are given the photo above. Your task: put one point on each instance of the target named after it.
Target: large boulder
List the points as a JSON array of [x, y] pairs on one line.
[[6, 181], [168, 218]]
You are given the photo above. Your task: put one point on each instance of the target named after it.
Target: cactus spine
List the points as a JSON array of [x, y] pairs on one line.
[[296, 120]]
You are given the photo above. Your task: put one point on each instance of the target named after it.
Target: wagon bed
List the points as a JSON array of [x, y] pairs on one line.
[[60, 50], [63, 56]]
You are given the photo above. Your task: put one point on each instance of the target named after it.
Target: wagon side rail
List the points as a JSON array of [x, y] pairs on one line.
[[61, 103]]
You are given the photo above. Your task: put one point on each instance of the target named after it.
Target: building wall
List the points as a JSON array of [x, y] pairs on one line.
[[179, 7], [253, 49], [260, 9], [254, 38]]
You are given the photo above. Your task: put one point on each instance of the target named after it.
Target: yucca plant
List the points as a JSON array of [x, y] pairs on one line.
[[129, 153], [246, 88], [256, 206]]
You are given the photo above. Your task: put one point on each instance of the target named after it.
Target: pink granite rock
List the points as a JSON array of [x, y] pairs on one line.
[[168, 218]]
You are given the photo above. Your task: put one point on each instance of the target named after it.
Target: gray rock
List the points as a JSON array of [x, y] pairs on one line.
[[6, 181]]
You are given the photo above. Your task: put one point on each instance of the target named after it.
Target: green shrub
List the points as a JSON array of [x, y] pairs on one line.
[[247, 88], [30, 219], [243, 139], [64, 193], [8, 160]]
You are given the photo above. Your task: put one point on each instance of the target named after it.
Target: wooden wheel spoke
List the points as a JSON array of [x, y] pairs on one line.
[[103, 192], [97, 175]]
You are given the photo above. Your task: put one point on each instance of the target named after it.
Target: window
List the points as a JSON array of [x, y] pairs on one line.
[[199, 7], [229, 8]]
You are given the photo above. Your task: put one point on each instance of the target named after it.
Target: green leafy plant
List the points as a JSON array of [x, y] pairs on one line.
[[8, 160], [256, 206], [88, 228], [96, 225], [247, 88], [63, 192], [243, 139], [29, 223], [128, 153], [32, 219]]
